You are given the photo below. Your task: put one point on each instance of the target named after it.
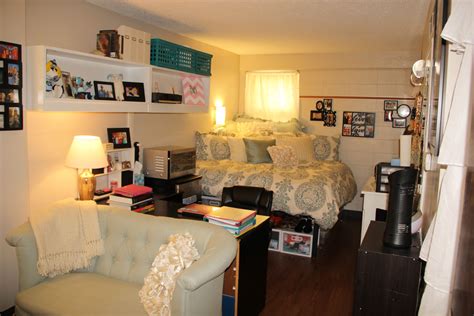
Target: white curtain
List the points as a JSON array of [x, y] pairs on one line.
[[272, 95], [439, 246]]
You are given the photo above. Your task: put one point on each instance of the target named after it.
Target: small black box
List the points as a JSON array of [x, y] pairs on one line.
[[157, 97]]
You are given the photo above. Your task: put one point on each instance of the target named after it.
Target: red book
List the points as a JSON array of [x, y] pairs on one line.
[[132, 190]]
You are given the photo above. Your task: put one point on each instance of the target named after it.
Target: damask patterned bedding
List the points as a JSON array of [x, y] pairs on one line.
[[316, 188]]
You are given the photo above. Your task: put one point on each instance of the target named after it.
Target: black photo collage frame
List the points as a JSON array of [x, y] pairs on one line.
[[11, 83]]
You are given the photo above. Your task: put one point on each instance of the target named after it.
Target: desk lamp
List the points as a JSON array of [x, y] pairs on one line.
[[85, 153]]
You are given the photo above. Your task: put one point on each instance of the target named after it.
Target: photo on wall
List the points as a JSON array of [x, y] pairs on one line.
[[358, 124], [11, 108]]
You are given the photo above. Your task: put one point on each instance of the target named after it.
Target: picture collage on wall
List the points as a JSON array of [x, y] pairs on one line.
[[11, 108], [324, 113], [396, 113], [358, 124]]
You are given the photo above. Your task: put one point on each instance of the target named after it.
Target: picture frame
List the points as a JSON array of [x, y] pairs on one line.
[[11, 108], [126, 165], [390, 105], [12, 74], [104, 90], [388, 116], [316, 115], [275, 241], [67, 84], [296, 243], [327, 104], [399, 123], [358, 124], [119, 137], [330, 118], [10, 51], [133, 91], [10, 96], [319, 106]]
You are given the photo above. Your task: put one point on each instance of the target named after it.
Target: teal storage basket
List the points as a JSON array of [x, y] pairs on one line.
[[202, 64], [169, 55]]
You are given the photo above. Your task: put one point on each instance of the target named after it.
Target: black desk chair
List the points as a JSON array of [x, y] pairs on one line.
[[251, 198]]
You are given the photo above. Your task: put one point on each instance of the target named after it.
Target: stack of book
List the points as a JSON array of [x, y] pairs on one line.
[[133, 197], [197, 209], [234, 220]]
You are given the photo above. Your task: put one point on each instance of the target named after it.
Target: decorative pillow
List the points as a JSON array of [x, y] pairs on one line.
[[237, 149], [326, 147], [248, 128], [303, 146], [256, 150], [283, 156], [292, 126], [211, 147]]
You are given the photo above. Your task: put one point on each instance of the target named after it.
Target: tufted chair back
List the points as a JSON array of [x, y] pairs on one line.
[[131, 241], [247, 197]]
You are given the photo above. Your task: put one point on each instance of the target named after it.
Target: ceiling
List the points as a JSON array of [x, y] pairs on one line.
[[286, 26]]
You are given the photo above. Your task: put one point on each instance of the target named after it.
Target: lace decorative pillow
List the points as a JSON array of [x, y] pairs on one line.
[[283, 156], [211, 147]]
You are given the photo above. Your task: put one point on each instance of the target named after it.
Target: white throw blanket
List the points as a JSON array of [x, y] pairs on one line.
[[172, 258], [67, 236]]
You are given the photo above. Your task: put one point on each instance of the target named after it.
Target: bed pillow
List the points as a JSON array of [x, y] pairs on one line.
[[256, 150], [211, 147], [283, 156], [292, 126], [326, 147], [303, 146], [237, 149]]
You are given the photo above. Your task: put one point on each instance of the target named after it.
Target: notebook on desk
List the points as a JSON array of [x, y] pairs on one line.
[[197, 209]]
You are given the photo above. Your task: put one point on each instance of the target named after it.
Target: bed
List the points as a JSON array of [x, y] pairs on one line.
[[319, 187]]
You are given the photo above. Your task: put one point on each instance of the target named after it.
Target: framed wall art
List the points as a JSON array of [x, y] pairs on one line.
[[330, 118], [316, 116], [358, 124], [11, 82], [399, 123]]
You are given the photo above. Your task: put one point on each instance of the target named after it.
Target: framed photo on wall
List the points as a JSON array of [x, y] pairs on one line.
[[358, 124], [390, 105], [11, 108], [316, 115]]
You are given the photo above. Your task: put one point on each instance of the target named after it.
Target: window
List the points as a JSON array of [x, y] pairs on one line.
[[272, 95]]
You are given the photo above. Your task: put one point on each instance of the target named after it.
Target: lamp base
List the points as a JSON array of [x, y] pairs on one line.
[[86, 185]]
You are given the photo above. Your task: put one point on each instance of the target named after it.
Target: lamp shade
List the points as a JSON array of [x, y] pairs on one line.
[[86, 152], [220, 115]]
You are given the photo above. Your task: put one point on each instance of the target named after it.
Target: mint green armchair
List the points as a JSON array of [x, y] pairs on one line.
[[110, 285]]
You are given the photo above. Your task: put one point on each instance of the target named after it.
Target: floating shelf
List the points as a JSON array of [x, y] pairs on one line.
[[94, 67]]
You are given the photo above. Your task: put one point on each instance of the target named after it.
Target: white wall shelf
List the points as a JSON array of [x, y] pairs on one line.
[[97, 68]]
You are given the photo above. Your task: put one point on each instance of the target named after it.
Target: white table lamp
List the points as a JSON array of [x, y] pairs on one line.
[[85, 153]]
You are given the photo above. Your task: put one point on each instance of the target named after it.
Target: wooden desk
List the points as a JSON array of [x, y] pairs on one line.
[[245, 281]]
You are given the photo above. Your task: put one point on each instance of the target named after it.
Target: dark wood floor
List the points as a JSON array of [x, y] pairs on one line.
[[319, 286]]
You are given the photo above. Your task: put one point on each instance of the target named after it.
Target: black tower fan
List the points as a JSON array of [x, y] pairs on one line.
[[400, 208]]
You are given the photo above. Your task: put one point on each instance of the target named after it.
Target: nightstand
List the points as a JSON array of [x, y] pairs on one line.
[[387, 279]]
